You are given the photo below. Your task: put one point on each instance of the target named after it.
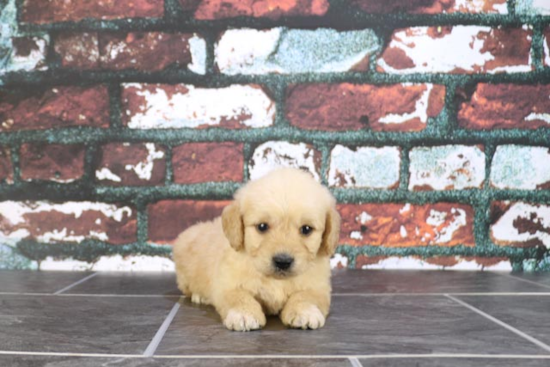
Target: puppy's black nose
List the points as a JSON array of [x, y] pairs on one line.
[[282, 261]]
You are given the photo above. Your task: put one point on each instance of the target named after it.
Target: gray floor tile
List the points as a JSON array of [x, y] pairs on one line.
[[357, 325], [80, 324], [542, 279], [144, 283], [529, 314], [27, 281], [54, 361], [454, 362], [405, 281]]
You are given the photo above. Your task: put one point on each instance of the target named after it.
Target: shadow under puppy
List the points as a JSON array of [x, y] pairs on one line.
[[269, 253]]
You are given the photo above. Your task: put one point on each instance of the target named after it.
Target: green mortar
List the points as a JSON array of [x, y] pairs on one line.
[[441, 130]]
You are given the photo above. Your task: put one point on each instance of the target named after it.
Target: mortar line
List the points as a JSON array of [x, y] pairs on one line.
[[169, 166], [247, 156], [75, 284], [58, 77], [142, 234], [537, 46], [501, 323], [355, 362], [153, 345], [326, 150], [15, 157]]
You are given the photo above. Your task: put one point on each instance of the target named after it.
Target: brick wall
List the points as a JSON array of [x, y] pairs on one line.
[[122, 123]]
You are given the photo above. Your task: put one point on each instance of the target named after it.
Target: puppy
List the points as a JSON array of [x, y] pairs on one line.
[[267, 254]]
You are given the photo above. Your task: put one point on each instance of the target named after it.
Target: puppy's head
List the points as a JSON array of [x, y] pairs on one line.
[[283, 221]]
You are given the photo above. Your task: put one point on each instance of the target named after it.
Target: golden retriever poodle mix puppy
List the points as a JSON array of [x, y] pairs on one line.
[[269, 253]]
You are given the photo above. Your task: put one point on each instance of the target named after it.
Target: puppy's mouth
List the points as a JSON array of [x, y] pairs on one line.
[[282, 274]]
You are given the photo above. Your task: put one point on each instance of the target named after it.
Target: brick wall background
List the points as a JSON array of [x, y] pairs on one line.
[[121, 123]]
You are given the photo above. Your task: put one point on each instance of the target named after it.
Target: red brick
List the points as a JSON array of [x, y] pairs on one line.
[[506, 106], [430, 6], [117, 51], [53, 162], [347, 106], [41, 11], [520, 224], [404, 225], [168, 218], [273, 9], [457, 49], [208, 162], [78, 50], [68, 222], [56, 108], [131, 164], [6, 167]]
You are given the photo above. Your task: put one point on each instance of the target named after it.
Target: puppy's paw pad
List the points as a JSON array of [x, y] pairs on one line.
[[309, 318], [242, 321]]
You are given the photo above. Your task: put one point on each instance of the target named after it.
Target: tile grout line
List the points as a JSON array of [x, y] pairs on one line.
[[441, 294], [153, 345], [526, 280], [76, 283], [473, 294], [355, 362], [281, 357], [100, 295], [501, 323]]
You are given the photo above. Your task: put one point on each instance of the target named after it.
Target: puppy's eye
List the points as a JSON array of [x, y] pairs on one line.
[[262, 227], [306, 230]]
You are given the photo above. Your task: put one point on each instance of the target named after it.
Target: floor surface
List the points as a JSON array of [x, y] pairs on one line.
[[378, 318]]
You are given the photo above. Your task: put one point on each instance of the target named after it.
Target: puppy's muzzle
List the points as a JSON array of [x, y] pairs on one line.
[[282, 262]]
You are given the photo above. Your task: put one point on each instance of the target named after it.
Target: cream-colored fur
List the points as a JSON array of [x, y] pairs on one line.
[[228, 262]]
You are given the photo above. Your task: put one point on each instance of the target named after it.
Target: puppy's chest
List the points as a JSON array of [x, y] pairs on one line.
[[273, 298]]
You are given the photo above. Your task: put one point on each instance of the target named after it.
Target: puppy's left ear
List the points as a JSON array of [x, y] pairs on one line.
[[331, 236], [233, 226]]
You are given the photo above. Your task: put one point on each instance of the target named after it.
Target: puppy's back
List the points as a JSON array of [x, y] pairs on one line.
[[196, 253]]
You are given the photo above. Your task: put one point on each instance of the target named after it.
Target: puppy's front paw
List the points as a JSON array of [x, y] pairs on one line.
[[303, 317], [243, 321]]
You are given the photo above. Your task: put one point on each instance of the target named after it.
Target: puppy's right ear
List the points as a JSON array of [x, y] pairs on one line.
[[233, 226]]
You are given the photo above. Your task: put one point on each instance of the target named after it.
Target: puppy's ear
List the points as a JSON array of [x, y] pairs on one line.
[[331, 234], [233, 226]]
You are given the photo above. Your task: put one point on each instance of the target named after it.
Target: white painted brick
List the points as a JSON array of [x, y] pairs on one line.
[[510, 229], [197, 47], [365, 167], [410, 263], [276, 154], [447, 167], [520, 167], [464, 49], [533, 7], [187, 106], [279, 50]]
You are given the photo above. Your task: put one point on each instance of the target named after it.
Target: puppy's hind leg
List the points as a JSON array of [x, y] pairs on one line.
[[182, 282]]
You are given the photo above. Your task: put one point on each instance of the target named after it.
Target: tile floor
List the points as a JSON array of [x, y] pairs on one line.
[[378, 318]]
